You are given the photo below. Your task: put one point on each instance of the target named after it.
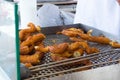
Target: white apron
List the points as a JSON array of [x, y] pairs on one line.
[[101, 14]]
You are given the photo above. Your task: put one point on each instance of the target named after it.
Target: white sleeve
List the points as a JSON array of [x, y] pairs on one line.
[[85, 12], [101, 14]]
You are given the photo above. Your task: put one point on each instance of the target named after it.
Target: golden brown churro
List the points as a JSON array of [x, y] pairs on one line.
[[33, 59], [66, 50], [30, 39], [76, 34]]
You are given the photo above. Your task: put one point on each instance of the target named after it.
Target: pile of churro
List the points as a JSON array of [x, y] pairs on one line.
[[32, 48], [79, 44], [67, 50], [78, 35]]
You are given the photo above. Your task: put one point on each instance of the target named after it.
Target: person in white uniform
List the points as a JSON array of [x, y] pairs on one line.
[[101, 14]]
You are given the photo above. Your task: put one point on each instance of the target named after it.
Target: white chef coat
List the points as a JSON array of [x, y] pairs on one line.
[[101, 14]]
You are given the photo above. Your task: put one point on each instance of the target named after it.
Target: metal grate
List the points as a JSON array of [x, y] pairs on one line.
[[107, 56], [67, 66]]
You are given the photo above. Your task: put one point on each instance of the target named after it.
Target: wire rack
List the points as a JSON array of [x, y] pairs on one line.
[[48, 68]]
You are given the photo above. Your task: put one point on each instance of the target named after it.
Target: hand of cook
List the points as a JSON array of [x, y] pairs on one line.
[[118, 1]]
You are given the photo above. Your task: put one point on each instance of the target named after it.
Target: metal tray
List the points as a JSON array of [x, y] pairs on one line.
[[104, 58]]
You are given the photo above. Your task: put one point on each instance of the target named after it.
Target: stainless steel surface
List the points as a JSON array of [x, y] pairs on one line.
[[64, 5], [105, 73], [57, 2]]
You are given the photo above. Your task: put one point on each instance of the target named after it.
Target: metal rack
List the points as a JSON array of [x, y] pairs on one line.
[[66, 66], [69, 6], [107, 56]]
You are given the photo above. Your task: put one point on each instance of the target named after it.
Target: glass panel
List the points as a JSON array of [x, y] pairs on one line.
[[7, 41]]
